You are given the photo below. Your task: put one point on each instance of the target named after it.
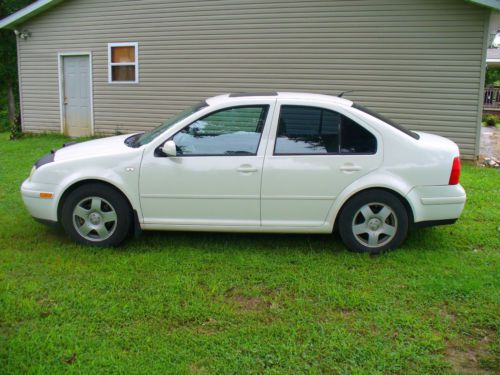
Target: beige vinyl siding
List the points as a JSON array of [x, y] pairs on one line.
[[417, 61]]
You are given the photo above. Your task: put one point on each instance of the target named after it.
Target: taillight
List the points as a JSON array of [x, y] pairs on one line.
[[455, 171]]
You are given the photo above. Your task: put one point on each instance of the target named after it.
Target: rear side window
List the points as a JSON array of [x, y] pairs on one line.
[[304, 130], [356, 139]]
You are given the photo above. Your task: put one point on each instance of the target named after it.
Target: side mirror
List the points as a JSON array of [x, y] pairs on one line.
[[169, 148]]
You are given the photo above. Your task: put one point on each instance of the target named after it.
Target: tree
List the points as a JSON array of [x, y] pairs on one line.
[[8, 60], [492, 76]]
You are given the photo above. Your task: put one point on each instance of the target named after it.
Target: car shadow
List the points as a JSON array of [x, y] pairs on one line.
[[428, 239], [235, 242], [150, 241]]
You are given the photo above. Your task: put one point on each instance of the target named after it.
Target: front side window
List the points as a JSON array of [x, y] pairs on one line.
[[123, 63], [304, 130], [230, 132]]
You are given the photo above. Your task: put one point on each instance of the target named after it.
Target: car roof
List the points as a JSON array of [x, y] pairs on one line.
[[237, 97]]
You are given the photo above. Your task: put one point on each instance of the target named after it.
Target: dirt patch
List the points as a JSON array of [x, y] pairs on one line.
[[472, 357], [46, 306], [6, 330], [347, 312], [195, 368], [337, 314], [69, 360], [250, 303], [45, 301], [209, 327], [45, 314]]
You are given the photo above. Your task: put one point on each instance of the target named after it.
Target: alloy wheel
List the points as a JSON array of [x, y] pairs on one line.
[[94, 218], [374, 224]]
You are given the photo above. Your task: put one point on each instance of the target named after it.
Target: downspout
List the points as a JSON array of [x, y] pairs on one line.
[[481, 84], [20, 85]]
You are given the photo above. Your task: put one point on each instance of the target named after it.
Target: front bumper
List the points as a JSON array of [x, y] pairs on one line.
[[437, 203], [43, 209]]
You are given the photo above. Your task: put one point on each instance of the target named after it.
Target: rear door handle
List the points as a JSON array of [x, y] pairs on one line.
[[247, 169], [350, 168]]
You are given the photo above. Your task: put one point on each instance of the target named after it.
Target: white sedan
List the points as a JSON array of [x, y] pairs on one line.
[[271, 162]]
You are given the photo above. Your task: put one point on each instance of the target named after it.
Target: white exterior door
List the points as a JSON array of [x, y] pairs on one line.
[[215, 177], [76, 96], [312, 155]]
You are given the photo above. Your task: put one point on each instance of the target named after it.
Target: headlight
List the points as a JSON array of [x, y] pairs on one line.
[[32, 172]]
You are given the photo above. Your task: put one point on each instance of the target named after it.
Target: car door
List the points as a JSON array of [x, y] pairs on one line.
[[314, 152], [216, 176]]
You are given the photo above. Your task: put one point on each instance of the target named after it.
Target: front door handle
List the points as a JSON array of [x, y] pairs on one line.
[[247, 169], [350, 168]]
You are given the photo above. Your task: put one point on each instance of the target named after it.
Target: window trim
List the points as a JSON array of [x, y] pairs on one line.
[[388, 121], [340, 134], [112, 64], [266, 108]]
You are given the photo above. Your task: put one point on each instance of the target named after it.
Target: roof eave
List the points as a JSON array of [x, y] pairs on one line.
[[26, 13], [40, 6], [494, 4]]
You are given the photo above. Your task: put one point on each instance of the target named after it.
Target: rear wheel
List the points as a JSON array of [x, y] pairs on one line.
[[96, 214], [373, 221]]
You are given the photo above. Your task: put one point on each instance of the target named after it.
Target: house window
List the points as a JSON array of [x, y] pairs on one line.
[[123, 63]]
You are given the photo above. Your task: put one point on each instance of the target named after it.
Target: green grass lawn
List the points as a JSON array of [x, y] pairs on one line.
[[238, 303]]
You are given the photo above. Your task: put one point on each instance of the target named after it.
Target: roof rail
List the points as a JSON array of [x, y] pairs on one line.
[[243, 94]]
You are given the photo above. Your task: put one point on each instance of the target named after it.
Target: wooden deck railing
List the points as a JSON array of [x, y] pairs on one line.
[[491, 97]]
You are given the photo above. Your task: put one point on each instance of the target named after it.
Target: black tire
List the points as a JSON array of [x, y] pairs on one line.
[[110, 201], [382, 233]]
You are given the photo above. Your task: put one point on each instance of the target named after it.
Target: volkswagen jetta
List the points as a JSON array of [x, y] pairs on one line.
[[272, 162]]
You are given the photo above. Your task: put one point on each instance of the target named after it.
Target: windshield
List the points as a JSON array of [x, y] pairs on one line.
[[144, 138], [371, 112]]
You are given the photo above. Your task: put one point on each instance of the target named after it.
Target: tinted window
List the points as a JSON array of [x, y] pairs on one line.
[[356, 139], [307, 130], [312, 130], [233, 131]]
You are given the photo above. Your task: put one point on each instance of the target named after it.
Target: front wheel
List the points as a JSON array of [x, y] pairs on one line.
[[373, 221], [96, 214]]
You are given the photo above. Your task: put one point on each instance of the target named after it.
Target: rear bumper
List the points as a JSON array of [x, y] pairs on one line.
[[438, 204]]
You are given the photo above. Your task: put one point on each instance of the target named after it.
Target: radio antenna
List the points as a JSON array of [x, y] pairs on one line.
[[346, 92]]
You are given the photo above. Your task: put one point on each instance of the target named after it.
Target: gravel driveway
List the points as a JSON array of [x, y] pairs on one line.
[[490, 142]]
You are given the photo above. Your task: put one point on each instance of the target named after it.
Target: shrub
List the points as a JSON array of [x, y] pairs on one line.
[[16, 130], [490, 120]]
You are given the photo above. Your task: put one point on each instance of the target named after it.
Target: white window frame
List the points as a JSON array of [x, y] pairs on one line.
[[135, 63]]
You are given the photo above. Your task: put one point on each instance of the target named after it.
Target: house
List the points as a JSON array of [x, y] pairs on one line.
[[106, 66]]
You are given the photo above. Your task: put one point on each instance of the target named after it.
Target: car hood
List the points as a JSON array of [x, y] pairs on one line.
[[95, 148]]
